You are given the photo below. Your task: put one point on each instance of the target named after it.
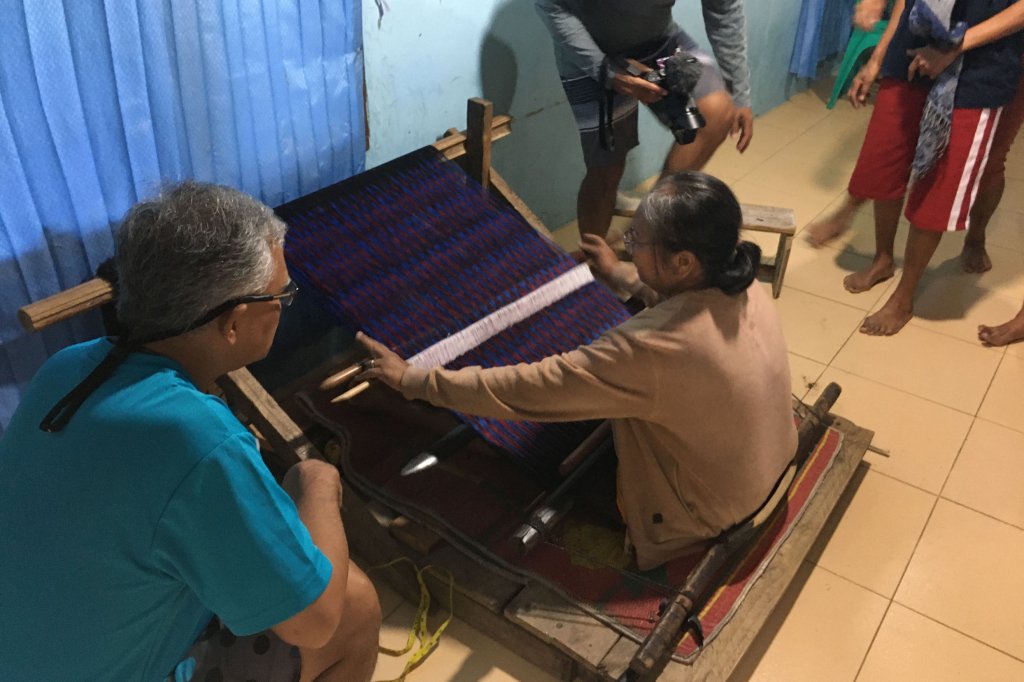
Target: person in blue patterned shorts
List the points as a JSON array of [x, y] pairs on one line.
[[601, 49]]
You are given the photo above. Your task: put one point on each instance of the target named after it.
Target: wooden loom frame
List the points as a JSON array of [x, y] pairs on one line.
[[537, 622]]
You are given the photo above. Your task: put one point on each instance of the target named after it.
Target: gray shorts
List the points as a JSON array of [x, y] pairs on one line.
[[587, 99], [221, 656]]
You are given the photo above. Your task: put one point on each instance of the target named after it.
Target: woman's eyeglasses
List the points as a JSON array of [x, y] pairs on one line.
[[629, 241]]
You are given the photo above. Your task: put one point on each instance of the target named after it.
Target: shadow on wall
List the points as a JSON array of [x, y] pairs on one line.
[[499, 70], [542, 159], [517, 64]]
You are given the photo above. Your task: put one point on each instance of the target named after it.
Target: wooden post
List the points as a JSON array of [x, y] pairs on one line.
[[287, 440], [479, 114]]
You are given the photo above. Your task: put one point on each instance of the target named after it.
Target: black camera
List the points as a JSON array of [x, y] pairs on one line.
[[678, 74]]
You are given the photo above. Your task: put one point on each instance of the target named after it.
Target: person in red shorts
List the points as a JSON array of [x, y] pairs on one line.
[[941, 199]]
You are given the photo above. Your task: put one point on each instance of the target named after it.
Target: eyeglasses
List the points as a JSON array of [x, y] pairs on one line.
[[59, 416], [285, 297], [629, 241]]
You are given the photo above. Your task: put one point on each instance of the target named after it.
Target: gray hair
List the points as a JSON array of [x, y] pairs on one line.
[[188, 250]]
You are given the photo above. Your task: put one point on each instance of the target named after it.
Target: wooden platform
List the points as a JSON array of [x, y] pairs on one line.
[[557, 635]]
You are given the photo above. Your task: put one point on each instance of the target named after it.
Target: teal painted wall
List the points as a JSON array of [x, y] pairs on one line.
[[425, 58]]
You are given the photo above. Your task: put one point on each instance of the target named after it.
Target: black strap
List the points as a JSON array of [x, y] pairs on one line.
[[605, 109], [605, 131], [58, 417], [750, 517], [61, 413], [107, 271]]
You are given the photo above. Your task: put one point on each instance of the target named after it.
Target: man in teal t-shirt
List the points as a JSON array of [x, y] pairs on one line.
[[131, 517]]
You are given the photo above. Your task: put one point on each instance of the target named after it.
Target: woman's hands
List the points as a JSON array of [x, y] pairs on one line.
[[385, 365], [607, 267], [600, 257]]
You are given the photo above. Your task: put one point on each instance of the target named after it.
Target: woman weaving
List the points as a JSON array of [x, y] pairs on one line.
[[696, 387]]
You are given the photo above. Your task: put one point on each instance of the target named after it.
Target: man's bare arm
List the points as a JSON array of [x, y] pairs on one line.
[[315, 487]]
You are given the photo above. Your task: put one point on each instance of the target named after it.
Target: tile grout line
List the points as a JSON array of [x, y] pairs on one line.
[[874, 638], [959, 632], [981, 513], [903, 391]]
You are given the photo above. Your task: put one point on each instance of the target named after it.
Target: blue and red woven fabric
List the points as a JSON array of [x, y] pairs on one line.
[[415, 250]]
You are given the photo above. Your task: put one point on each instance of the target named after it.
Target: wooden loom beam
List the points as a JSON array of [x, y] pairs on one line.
[[453, 144], [90, 294]]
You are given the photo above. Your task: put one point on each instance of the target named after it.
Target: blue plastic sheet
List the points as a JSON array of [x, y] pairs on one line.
[[102, 102]]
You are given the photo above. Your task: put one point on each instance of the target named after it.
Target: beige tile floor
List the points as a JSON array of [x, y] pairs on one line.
[[919, 579]]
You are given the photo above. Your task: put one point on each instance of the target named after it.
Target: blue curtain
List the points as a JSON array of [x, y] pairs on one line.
[[822, 31], [102, 101]]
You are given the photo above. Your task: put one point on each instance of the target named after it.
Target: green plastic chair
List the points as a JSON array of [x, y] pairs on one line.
[[857, 52]]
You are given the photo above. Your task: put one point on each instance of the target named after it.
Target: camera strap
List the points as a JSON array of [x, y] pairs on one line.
[[605, 108]]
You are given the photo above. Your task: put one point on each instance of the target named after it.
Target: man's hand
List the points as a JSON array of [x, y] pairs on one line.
[[387, 367], [861, 87], [633, 86], [867, 14], [743, 127], [930, 62], [313, 479]]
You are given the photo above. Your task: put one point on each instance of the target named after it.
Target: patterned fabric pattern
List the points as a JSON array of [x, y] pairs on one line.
[[413, 251], [931, 20]]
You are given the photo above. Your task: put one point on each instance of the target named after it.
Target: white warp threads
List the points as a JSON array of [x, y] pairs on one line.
[[446, 350]]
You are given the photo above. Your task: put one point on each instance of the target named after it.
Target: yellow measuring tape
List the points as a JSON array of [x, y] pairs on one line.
[[427, 641]]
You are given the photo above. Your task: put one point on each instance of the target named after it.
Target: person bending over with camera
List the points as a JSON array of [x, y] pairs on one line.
[[603, 50], [697, 386], [137, 516]]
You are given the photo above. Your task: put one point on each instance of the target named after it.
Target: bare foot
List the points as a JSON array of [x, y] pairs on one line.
[[861, 281], [889, 320], [1007, 332], [974, 257], [822, 232]]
